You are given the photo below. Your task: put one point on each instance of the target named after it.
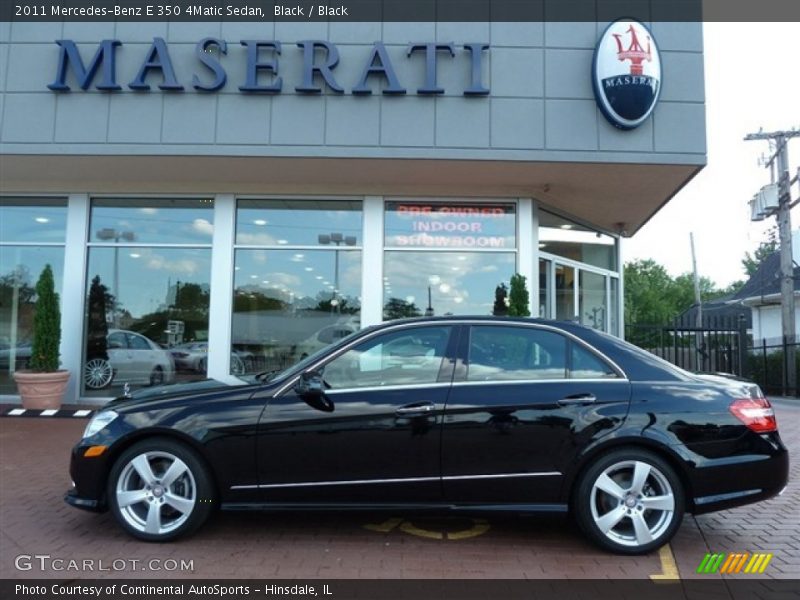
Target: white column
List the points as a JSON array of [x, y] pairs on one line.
[[220, 310], [621, 289], [372, 262], [528, 250], [73, 294]]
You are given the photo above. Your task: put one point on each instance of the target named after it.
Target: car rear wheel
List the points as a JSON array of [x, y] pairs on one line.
[[629, 501], [159, 490]]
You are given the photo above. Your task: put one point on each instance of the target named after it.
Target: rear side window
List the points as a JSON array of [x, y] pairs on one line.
[[515, 353], [502, 353], [586, 365]]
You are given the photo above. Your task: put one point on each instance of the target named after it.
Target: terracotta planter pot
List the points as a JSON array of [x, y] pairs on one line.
[[41, 390]]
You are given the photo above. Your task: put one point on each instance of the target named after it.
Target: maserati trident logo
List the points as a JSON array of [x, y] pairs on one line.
[[626, 73]]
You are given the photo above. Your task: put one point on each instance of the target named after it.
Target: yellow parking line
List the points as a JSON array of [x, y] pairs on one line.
[[669, 569]]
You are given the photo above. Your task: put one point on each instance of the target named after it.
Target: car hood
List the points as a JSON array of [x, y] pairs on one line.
[[175, 390]]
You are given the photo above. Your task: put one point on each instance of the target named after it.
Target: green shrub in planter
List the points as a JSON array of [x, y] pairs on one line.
[[42, 387], [46, 325]]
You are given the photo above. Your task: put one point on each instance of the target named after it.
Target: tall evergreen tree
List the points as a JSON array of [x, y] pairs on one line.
[[46, 324], [518, 297]]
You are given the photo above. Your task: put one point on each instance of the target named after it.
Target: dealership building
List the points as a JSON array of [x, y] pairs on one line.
[[226, 197]]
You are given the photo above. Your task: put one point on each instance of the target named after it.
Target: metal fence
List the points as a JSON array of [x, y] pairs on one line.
[[721, 345], [768, 365]]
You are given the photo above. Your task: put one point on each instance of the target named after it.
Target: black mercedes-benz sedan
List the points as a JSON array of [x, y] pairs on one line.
[[476, 414]]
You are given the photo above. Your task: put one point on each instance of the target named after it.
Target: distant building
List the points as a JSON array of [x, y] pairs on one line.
[[762, 294]]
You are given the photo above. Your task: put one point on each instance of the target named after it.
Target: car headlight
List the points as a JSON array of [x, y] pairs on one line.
[[98, 422]]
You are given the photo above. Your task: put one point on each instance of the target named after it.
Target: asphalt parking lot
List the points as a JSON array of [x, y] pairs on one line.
[[34, 522]]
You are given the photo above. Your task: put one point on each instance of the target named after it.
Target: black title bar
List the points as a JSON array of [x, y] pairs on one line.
[[398, 10]]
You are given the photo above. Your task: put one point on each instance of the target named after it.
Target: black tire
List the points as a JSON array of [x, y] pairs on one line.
[[616, 490], [192, 490], [157, 376]]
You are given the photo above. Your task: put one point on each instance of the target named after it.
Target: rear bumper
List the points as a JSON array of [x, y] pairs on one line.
[[721, 483]]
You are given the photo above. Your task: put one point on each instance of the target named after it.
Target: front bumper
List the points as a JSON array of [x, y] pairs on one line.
[[89, 476], [90, 504]]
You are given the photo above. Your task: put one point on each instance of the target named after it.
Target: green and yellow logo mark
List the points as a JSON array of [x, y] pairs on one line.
[[734, 562]]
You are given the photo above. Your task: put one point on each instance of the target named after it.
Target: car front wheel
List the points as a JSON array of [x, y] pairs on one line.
[[159, 490], [97, 374], [629, 501]]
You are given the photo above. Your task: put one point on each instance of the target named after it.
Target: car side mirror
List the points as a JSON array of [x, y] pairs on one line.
[[311, 388]]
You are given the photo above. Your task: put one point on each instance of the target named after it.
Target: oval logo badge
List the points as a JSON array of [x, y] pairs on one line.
[[626, 73]]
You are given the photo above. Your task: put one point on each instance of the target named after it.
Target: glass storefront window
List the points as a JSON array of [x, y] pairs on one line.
[[297, 222], [147, 303], [420, 283], [288, 304], [428, 281], [297, 281], [613, 314], [562, 237], [24, 222], [565, 292], [456, 225], [545, 309], [33, 220], [20, 267], [592, 297], [147, 221]]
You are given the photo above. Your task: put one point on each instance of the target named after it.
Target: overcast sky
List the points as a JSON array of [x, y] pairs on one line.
[[752, 81]]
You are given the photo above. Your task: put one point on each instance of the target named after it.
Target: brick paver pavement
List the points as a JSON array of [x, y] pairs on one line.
[[34, 456]]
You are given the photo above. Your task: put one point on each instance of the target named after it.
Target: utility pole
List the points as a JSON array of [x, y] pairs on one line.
[[780, 158]]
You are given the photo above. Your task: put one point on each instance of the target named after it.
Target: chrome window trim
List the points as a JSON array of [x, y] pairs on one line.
[[529, 381], [394, 480], [490, 321], [398, 386]]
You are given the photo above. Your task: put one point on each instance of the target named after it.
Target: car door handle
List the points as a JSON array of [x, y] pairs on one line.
[[418, 408], [586, 398]]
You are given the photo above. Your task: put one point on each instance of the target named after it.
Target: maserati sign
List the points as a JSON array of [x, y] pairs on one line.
[[626, 73]]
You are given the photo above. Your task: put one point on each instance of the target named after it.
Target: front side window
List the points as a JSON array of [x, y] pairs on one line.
[[407, 357]]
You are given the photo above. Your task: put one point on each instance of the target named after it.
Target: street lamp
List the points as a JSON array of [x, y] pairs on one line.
[[338, 239], [106, 234]]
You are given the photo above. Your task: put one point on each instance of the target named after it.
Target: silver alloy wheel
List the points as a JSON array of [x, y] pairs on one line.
[[632, 503], [156, 492], [97, 373]]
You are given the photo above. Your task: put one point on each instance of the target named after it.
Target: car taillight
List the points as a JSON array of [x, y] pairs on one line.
[[756, 413]]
